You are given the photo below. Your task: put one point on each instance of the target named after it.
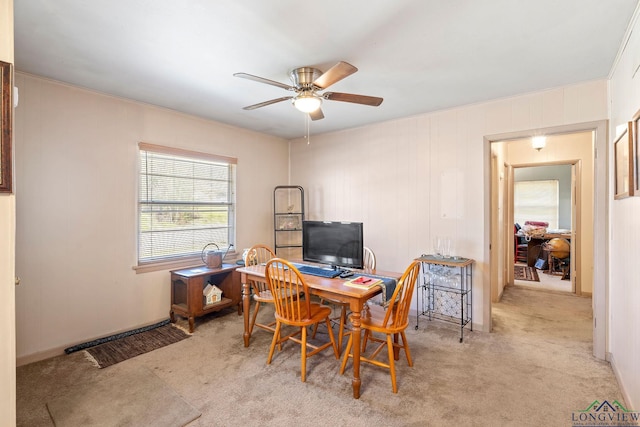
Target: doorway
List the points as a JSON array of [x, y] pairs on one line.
[[545, 193], [592, 208]]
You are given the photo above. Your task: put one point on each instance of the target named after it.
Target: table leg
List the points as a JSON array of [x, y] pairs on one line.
[[246, 305], [355, 319]]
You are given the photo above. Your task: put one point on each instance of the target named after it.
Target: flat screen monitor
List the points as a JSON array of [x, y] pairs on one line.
[[338, 244]]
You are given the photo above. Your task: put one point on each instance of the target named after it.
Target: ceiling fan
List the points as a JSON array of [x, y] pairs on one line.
[[307, 83]]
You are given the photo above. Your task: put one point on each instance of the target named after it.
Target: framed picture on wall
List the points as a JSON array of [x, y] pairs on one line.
[[635, 129], [623, 163], [6, 110]]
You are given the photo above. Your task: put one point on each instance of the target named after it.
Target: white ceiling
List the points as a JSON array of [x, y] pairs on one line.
[[419, 55]]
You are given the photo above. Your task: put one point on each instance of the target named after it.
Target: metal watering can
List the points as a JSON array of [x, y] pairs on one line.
[[213, 259]]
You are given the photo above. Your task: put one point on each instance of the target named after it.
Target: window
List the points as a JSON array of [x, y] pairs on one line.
[[185, 201], [537, 201]]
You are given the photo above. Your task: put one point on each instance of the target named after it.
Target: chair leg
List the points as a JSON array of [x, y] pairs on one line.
[[396, 347], [315, 327], [333, 339], [276, 338], [347, 353], [303, 368], [254, 317], [392, 367], [405, 345], [343, 321], [365, 338]]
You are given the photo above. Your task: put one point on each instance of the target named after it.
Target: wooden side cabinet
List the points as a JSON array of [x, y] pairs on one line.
[[187, 285]]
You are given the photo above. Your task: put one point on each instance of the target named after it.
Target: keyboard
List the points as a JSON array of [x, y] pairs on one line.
[[317, 271]]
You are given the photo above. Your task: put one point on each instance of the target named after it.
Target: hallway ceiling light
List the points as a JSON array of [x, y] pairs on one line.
[[538, 142]]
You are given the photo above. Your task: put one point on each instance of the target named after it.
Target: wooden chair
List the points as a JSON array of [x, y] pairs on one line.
[[520, 247], [285, 280], [369, 261], [391, 322], [256, 255]]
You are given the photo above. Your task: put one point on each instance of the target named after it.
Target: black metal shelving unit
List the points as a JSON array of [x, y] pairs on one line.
[[288, 214], [444, 291]]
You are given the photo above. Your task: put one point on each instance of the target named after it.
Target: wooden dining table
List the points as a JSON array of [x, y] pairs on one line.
[[323, 287]]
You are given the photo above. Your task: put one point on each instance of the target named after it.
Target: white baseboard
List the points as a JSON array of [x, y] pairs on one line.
[[627, 399], [42, 355]]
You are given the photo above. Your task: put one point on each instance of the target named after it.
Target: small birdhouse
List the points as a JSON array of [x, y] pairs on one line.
[[212, 294]]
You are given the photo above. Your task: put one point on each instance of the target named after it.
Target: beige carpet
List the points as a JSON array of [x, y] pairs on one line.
[[127, 397], [536, 368]]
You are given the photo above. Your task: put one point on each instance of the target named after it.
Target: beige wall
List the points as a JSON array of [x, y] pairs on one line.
[[569, 148], [624, 288], [76, 210], [7, 259], [426, 175]]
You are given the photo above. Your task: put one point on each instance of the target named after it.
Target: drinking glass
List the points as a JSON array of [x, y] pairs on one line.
[[437, 246], [453, 249], [446, 247]]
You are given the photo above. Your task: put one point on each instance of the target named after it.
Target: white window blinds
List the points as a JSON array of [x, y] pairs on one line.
[[537, 201], [186, 200]]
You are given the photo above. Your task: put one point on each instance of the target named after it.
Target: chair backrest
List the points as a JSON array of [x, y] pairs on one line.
[[369, 258], [519, 240], [287, 285], [258, 254], [397, 314]]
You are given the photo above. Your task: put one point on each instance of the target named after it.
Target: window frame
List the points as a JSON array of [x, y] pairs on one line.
[[190, 259]]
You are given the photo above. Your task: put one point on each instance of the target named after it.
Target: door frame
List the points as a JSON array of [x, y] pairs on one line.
[[576, 217], [600, 291]]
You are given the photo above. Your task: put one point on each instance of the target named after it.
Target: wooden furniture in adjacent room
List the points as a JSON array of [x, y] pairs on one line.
[[390, 321], [187, 285], [520, 247], [324, 288], [559, 262], [535, 246], [294, 308]]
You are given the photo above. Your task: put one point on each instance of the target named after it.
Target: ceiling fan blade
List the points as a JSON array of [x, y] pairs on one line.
[[373, 101], [263, 80], [265, 103], [334, 74], [317, 114]]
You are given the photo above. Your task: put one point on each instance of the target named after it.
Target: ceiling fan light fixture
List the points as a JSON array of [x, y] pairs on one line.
[[307, 102]]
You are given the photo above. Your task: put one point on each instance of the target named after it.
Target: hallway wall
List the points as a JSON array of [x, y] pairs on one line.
[[7, 259], [624, 226]]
